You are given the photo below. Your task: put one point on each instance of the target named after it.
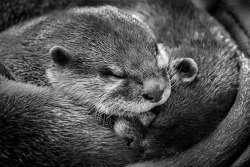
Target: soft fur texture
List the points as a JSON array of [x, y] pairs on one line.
[[109, 48], [112, 58], [194, 109], [41, 127], [188, 116], [223, 146]]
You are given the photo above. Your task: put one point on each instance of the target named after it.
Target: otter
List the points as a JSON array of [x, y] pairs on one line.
[[100, 56], [195, 109], [195, 30], [183, 71], [102, 68], [194, 127], [223, 146], [20, 119], [114, 69], [41, 127]]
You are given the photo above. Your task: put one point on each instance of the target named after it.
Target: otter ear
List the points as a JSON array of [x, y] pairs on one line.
[[60, 55], [185, 69]]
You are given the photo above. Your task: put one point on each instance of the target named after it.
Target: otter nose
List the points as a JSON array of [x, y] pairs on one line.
[[153, 89], [153, 96]]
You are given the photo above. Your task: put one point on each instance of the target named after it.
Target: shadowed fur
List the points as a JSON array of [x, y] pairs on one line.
[[39, 126], [194, 109], [226, 142], [187, 119]]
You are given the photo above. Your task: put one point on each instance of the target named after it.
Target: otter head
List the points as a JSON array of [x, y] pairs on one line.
[[109, 60]]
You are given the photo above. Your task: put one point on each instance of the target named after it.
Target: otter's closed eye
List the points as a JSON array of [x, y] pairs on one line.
[[107, 72]]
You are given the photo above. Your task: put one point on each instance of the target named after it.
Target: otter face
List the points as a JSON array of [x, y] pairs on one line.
[[113, 65]]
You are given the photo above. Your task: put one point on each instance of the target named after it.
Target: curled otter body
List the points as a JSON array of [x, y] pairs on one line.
[[194, 109], [41, 127], [223, 71], [115, 70]]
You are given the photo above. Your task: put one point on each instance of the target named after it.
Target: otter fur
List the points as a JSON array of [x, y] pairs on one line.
[[41, 127], [103, 64], [223, 146], [101, 56], [194, 108], [192, 34]]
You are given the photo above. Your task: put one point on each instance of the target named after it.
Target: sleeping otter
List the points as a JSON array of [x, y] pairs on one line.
[[40, 126], [194, 109], [194, 127], [229, 140], [101, 56], [114, 69], [193, 28]]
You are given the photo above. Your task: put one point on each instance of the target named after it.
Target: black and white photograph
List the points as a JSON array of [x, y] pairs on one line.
[[125, 83]]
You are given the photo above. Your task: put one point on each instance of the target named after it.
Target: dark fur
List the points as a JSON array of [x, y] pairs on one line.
[[227, 142], [15, 11], [41, 127], [193, 110], [4, 71], [186, 119]]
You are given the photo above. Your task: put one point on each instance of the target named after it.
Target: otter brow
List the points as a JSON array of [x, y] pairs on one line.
[[112, 72]]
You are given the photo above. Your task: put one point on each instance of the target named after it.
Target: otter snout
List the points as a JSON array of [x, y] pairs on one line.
[[154, 97], [153, 90]]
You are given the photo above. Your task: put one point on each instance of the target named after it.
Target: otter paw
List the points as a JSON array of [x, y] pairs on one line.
[[129, 131], [147, 118]]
